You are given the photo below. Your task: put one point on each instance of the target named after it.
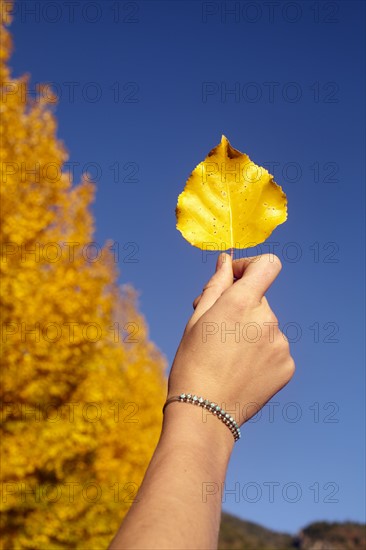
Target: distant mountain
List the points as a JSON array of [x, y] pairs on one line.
[[333, 536], [237, 534]]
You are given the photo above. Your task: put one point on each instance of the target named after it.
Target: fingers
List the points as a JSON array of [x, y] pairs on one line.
[[219, 282], [255, 275], [253, 278]]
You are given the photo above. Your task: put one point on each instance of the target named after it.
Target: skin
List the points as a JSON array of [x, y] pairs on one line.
[[178, 505]]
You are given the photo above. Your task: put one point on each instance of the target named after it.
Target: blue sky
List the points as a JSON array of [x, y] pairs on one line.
[[155, 85]]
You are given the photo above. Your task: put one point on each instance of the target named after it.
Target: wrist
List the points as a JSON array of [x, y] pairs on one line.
[[192, 427]]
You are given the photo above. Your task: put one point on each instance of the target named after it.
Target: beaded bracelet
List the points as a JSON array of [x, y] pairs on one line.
[[212, 407]]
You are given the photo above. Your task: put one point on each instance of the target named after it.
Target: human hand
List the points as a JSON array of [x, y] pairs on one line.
[[232, 350]]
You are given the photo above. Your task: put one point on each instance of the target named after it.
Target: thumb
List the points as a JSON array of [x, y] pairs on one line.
[[219, 282]]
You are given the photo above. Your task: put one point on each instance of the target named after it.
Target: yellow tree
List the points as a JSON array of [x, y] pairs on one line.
[[81, 384]]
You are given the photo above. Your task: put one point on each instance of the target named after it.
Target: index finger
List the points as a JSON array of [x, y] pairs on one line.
[[256, 274]]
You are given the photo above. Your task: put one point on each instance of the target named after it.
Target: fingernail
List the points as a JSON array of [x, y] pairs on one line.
[[220, 261]]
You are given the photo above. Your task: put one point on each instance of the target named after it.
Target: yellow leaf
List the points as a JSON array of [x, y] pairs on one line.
[[229, 201]]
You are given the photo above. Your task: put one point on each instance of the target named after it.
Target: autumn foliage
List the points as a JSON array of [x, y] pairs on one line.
[[81, 384]]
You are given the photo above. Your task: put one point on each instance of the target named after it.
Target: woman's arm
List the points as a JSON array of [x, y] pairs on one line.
[[172, 510], [233, 353]]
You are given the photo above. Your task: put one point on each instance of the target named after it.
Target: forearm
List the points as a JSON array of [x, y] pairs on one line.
[[170, 511]]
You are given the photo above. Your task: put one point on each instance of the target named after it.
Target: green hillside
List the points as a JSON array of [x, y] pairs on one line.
[[237, 534]]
